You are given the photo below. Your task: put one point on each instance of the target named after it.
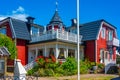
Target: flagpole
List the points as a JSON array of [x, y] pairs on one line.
[[78, 32]]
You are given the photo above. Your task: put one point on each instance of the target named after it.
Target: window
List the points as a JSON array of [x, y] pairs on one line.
[[103, 33], [34, 30], [71, 53], [61, 54], [3, 30], [51, 52], [102, 56], [2, 66], [110, 35], [40, 52]]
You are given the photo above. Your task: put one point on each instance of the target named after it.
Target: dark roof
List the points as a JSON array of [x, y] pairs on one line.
[[90, 30], [56, 18], [19, 29], [4, 51]]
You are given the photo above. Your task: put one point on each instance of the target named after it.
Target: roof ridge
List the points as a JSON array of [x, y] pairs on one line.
[[16, 19], [93, 21]]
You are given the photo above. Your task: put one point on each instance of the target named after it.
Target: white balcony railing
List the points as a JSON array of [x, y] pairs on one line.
[[58, 34], [114, 42]]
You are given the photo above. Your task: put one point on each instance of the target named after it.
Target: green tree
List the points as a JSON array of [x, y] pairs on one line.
[[9, 44]]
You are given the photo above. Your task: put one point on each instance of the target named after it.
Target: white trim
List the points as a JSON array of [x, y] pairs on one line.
[[12, 28], [4, 20], [108, 25], [103, 32], [57, 52], [36, 52], [45, 52], [99, 31]]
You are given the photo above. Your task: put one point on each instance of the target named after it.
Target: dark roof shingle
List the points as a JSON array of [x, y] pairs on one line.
[[90, 30], [20, 29]]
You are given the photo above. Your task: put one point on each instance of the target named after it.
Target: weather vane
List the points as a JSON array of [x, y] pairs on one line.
[[56, 5]]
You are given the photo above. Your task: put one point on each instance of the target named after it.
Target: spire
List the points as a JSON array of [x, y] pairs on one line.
[[56, 5], [56, 18]]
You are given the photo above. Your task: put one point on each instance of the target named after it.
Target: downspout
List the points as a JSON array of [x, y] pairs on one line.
[[14, 36]]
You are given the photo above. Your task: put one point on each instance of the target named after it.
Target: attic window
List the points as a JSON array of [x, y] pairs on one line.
[[34, 30], [103, 33], [3, 30]]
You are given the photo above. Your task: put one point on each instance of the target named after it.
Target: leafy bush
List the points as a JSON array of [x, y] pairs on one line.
[[70, 64], [83, 67], [49, 72], [9, 44], [101, 66], [50, 68], [34, 69]]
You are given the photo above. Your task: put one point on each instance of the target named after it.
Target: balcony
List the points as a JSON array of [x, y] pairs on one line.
[[114, 42], [58, 34]]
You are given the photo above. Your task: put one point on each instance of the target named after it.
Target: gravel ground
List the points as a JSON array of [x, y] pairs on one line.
[[74, 77]]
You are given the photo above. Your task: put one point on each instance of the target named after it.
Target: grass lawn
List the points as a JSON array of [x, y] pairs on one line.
[[97, 77], [82, 77]]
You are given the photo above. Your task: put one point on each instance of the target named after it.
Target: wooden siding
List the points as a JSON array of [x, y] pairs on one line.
[[90, 50]]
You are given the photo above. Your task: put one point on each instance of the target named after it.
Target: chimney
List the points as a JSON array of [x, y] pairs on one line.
[[74, 22], [30, 19]]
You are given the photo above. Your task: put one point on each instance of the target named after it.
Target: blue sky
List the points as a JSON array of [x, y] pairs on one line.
[[41, 10], [91, 10]]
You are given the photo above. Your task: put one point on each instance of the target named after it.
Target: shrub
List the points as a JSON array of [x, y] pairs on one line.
[[49, 72], [34, 69], [70, 66], [59, 70], [101, 66], [30, 72], [50, 68], [41, 72], [83, 67]]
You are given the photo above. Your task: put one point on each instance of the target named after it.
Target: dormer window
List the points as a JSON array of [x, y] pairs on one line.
[[103, 33], [3, 30], [34, 30]]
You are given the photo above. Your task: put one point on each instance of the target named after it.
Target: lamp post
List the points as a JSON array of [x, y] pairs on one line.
[[78, 49]]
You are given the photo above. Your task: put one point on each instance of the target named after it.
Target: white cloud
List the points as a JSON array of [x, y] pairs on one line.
[[2, 17], [17, 14], [19, 10]]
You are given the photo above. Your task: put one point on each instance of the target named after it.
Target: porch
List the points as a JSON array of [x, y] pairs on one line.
[[59, 50]]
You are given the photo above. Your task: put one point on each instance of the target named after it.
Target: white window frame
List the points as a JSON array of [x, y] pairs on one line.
[[110, 35], [103, 32]]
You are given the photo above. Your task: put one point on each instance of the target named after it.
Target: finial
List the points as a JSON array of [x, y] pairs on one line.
[[56, 5]]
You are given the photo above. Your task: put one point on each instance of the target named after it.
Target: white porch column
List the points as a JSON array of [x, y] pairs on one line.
[[66, 52], [56, 49], [67, 36], [36, 52], [45, 52], [76, 53]]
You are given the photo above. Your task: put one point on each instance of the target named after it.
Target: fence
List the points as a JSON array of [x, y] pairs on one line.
[[19, 78]]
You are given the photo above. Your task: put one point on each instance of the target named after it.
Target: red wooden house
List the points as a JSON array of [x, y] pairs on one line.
[[19, 31], [100, 40]]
